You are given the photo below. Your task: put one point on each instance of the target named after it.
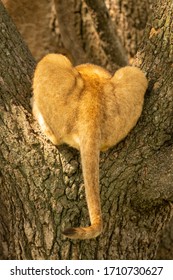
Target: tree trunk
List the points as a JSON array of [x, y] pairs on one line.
[[41, 186]]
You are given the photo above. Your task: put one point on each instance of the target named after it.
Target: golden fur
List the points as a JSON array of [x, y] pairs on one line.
[[90, 110]]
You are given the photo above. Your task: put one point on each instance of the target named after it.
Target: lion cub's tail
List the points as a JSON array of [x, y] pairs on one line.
[[89, 150]]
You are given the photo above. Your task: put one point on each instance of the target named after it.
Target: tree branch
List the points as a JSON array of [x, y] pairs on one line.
[[108, 36], [69, 19]]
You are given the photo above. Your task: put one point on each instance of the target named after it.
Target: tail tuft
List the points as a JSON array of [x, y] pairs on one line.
[[83, 232], [70, 232]]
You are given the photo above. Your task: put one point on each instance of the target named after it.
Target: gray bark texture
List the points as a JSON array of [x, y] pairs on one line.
[[42, 187]]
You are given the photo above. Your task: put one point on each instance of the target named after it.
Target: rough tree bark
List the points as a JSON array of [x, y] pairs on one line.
[[41, 186]]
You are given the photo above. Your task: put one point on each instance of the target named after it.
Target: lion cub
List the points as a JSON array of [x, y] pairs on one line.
[[90, 110]]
